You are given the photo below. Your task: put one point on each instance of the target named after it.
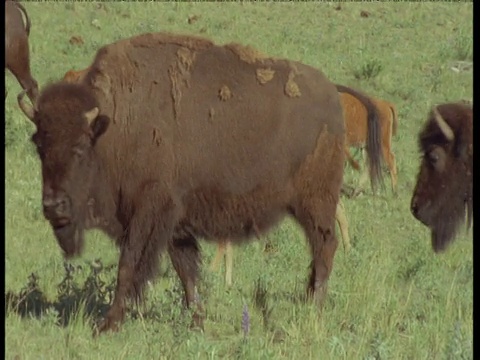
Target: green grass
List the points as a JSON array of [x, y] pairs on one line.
[[389, 298]]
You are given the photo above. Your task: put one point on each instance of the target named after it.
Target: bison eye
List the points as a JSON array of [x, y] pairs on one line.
[[436, 157], [433, 157]]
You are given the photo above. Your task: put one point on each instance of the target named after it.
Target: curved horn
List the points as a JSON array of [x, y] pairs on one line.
[[27, 109], [442, 124], [91, 115]]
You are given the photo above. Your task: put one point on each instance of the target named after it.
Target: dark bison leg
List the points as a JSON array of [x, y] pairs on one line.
[[147, 235], [319, 226], [185, 256]]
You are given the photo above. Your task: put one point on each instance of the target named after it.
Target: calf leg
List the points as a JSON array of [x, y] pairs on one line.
[[224, 249], [218, 255], [387, 152], [363, 177], [392, 166], [185, 256], [228, 263], [343, 225], [146, 236], [350, 158]]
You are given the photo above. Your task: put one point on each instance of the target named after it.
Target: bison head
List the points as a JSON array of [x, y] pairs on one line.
[[443, 193], [68, 125]]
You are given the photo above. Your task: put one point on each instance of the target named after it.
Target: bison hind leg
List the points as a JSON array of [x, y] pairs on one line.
[[317, 192], [316, 214], [186, 258]]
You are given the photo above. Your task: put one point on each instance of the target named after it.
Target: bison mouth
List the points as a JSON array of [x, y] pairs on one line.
[[69, 236]]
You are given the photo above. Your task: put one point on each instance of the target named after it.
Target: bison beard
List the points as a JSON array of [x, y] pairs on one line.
[[70, 238], [446, 223]]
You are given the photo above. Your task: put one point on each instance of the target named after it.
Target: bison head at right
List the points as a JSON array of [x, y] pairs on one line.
[[68, 125], [443, 193]]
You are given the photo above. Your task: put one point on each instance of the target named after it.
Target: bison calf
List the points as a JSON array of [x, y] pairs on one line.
[[17, 56], [443, 193]]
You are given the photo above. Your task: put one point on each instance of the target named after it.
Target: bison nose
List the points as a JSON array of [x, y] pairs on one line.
[[55, 206]]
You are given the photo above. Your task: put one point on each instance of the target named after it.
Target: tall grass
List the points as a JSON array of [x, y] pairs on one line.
[[389, 298]]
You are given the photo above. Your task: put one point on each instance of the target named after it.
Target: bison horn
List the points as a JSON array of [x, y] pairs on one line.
[[27, 109], [91, 115], [442, 124]]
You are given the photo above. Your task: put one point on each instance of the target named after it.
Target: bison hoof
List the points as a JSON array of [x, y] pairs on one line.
[[317, 294], [107, 324], [197, 323]]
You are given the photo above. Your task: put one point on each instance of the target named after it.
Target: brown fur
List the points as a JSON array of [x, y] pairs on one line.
[[356, 124], [17, 53], [72, 76], [225, 247], [263, 156], [443, 193], [357, 105]]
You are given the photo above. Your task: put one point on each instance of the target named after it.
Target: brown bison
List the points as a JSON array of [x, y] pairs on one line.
[[169, 138], [356, 130], [225, 248], [17, 56], [443, 193]]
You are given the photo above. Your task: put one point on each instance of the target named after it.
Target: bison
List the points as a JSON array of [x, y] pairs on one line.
[[17, 56], [442, 198], [225, 248], [356, 129], [168, 138]]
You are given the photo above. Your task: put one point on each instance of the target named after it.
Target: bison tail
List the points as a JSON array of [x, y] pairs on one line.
[[373, 141], [374, 145]]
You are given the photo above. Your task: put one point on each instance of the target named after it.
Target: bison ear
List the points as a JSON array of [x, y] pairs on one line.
[[98, 127], [97, 124]]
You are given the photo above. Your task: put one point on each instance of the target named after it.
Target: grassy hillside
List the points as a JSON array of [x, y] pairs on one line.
[[389, 298]]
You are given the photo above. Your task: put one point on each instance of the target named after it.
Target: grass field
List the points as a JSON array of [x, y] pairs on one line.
[[389, 298]]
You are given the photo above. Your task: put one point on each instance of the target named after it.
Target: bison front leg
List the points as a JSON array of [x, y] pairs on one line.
[[185, 256], [145, 239], [116, 313]]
